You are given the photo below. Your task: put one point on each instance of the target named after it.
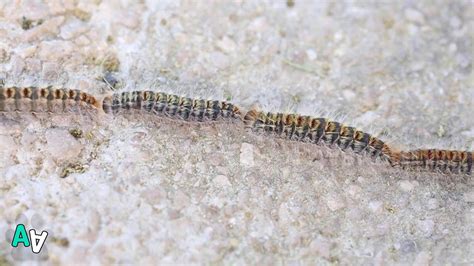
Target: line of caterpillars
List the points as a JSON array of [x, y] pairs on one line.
[[320, 131]]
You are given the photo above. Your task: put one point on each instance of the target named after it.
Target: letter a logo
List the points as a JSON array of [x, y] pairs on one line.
[[20, 236], [37, 241]]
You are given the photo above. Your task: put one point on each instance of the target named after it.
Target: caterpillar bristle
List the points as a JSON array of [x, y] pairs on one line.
[[294, 127], [171, 106], [444, 161], [319, 131]]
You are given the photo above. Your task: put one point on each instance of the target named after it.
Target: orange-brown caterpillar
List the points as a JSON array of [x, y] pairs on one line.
[[289, 126], [318, 131], [445, 161], [171, 105], [32, 99]]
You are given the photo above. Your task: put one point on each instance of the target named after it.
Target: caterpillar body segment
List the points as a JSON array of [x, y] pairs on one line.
[[318, 131], [170, 105], [445, 161], [33, 99]]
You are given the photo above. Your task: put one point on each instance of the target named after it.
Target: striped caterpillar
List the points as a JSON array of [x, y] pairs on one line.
[[32, 99], [318, 131], [288, 126], [445, 161], [171, 105]]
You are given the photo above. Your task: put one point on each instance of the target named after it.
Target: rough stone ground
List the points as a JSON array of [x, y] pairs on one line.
[[141, 189]]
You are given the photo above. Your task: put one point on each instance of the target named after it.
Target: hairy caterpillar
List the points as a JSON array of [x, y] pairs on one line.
[[171, 105], [318, 131], [445, 161], [288, 126], [32, 99]]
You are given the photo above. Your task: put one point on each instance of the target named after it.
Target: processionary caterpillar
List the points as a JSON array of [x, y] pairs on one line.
[[445, 161], [32, 99], [317, 131], [288, 126], [171, 105]]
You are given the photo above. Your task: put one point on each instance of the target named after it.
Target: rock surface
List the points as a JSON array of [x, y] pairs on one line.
[[138, 189]]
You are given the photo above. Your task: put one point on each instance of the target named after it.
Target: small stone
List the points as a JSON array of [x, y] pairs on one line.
[[226, 45], [426, 226], [354, 190], [414, 15], [154, 196], [48, 28], [376, 206], [180, 200], [81, 14], [348, 94], [311, 54], [61, 145], [408, 246], [469, 196], [246, 155], [221, 181], [73, 29], [406, 186], [335, 203]]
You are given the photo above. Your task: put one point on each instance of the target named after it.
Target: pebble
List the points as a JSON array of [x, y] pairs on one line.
[[154, 196], [469, 196], [354, 191], [408, 246], [426, 226], [50, 27], [61, 145], [406, 186], [247, 155], [180, 200], [226, 45], [335, 202], [72, 29], [414, 15], [348, 94], [311, 54], [376, 206], [221, 181]]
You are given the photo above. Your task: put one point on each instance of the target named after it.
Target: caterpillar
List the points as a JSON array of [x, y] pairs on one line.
[[318, 131], [171, 105], [32, 99], [294, 127], [445, 161]]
